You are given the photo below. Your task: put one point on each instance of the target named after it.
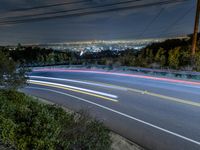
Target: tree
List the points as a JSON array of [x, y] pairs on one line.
[[197, 61], [19, 47], [160, 57], [50, 58], [11, 77], [40, 59], [185, 56], [149, 56], [173, 59]]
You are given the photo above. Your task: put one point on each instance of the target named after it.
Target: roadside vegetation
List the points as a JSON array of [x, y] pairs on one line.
[[170, 54], [28, 124], [11, 76], [25, 123]]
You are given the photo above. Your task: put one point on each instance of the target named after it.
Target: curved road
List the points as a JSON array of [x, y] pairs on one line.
[[157, 113]]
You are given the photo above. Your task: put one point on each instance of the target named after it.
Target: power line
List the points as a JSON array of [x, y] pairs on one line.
[[49, 5], [151, 22], [176, 21], [76, 9], [88, 13]]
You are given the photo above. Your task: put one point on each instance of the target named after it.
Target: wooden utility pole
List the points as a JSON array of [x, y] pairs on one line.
[[196, 29]]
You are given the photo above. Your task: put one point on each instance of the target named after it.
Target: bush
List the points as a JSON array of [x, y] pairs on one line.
[[197, 60], [11, 77], [173, 59], [160, 57], [7, 129], [27, 124]]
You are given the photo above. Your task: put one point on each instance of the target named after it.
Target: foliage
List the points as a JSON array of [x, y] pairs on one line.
[[173, 59], [160, 57], [172, 53], [10, 75], [197, 61], [27, 124]]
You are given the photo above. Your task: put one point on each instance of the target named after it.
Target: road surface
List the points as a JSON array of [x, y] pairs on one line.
[[156, 113]]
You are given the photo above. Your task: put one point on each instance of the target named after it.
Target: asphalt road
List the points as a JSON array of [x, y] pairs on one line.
[[156, 113]]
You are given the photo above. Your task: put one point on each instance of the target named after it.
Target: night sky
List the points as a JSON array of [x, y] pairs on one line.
[[150, 22]]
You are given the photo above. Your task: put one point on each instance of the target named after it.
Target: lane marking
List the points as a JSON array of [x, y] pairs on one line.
[[178, 100], [121, 74], [82, 82], [169, 98], [122, 114], [70, 89], [77, 88], [163, 97]]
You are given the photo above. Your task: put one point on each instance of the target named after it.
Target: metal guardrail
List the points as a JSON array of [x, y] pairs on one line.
[[172, 73], [149, 71]]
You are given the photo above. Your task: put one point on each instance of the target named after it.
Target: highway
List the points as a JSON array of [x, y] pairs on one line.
[[156, 113]]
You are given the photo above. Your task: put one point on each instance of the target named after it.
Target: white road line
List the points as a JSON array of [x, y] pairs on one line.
[[73, 87], [163, 97], [78, 81], [123, 114]]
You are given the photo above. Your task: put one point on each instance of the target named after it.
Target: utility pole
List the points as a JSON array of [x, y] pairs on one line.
[[196, 29]]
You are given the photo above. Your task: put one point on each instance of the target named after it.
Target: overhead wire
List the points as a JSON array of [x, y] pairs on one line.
[[54, 15], [49, 5], [176, 21], [151, 22], [75, 9]]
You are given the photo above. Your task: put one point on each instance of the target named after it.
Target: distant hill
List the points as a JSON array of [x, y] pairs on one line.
[[172, 43]]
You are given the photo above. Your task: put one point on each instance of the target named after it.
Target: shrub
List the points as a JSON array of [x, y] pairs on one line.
[[27, 124], [86, 134], [197, 61], [7, 129], [173, 59], [160, 57], [11, 77]]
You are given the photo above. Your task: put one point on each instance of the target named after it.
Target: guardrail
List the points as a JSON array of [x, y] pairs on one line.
[[149, 71]]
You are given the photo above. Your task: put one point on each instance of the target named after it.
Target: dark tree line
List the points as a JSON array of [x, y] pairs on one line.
[[11, 76], [173, 53]]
